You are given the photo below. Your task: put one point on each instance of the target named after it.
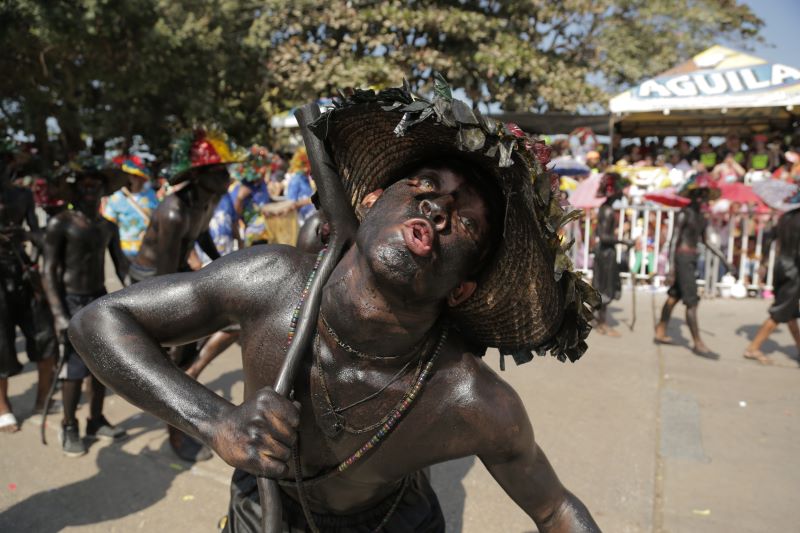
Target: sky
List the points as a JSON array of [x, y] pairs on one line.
[[781, 24]]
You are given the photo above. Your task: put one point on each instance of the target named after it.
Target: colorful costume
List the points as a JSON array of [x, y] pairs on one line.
[[131, 211], [300, 184]]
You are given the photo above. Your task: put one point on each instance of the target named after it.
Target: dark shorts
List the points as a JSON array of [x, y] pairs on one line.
[[138, 273], [787, 291], [19, 306], [417, 512], [685, 286], [74, 367]]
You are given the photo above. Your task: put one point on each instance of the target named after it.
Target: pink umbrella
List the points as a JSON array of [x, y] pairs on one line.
[[585, 194], [668, 197], [738, 192]]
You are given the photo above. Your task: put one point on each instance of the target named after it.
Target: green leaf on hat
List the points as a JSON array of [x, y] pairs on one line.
[[416, 106], [440, 87], [463, 114], [470, 139]]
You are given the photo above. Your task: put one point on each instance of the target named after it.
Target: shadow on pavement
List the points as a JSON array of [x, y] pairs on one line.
[[121, 487], [447, 480], [224, 383]]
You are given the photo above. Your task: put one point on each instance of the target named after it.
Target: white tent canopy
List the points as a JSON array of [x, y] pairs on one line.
[[717, 90]]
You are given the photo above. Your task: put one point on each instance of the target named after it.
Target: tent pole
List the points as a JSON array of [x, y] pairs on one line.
[[610, 139]]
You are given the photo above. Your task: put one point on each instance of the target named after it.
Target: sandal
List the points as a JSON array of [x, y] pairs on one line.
[[8, 423], [757, 355]]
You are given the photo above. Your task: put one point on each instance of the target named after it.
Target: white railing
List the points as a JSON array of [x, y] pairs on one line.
[[648, 257]]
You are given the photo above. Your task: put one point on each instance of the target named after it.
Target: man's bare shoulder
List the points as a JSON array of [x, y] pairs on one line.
[[493, 410], [171, 209], [260, 273], [59, 221]]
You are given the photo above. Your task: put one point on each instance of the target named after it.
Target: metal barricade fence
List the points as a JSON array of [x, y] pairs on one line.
[[651, 228]]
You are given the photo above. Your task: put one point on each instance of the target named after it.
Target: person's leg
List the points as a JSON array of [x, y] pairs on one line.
[[602, 323], [753, 350], [600, 317], [71, 443], [694, 328], [8, 423], [216, 344], [98, 397], [666, 313], [97, 426], [184, 446], [9, 364], [795, 331], [46, 372], [700, 347], [70, 397], [5, 405]]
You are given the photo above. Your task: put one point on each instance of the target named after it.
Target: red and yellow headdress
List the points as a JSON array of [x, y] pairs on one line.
[[200, 148]]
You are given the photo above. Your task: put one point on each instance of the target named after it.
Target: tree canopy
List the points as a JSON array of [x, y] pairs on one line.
[[107, 69]]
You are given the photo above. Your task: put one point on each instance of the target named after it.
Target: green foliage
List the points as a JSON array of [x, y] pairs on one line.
[[109, 69]]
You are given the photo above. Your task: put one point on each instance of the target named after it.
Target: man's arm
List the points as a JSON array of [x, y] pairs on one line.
[[716, 251], [606, 231], [120, 336], [55, 240], [532, 483], [520, 466], [677, 230], [170, 230], [118, 257], [35, 234]]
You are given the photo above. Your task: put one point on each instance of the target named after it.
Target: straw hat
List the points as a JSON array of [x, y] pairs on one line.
[[527, 299]]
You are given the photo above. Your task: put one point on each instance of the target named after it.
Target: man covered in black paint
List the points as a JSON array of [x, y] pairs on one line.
[[688, 233], [74, 265], [200, 176], [457, 250], [606, 267], [22, 300]]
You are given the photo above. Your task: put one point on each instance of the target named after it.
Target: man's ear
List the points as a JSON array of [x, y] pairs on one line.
[[368, 201], [461, 293]]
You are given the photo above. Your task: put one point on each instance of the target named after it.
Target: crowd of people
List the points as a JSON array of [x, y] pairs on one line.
[[55, 228], [740, 224], [659, 162], [681, 252]]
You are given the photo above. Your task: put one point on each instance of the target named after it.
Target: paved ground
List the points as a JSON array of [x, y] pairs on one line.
[[652, 439]]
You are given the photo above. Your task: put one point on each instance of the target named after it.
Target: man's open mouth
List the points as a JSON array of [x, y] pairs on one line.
[[418, 234]]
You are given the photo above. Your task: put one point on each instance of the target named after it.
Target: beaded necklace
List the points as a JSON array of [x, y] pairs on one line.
[[303, 296], [389, 422], [332, 420], [363, 355], [402, 407]]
